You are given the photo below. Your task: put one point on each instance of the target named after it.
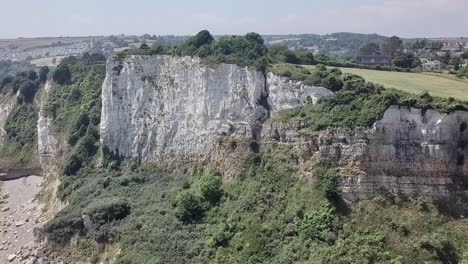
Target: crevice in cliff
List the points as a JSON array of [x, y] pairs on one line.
[[263, 101], [261, 115]]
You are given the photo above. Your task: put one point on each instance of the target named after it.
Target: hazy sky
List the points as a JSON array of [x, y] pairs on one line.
[[407, 18]]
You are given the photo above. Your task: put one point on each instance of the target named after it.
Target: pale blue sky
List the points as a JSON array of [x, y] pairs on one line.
[[407, 18]]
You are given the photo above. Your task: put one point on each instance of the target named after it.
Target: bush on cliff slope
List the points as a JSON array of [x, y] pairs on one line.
[[356, 103], [17, 151], [267, 214], [21, 137], [75, 106]]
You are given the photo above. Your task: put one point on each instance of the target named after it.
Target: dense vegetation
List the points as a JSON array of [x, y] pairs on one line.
[[248, 50], [8, 68], [75, 105], [20, 126], [266, 214], [356, 102]]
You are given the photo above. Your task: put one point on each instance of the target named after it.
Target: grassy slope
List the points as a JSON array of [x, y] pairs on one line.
[[436, 84]]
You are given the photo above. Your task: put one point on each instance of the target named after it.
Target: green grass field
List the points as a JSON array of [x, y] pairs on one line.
[[443, 85]]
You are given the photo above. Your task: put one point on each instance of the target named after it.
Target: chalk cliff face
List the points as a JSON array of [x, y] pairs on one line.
[[408, 152], [7, 103], [168, 109], [50, 152], [178, 110]]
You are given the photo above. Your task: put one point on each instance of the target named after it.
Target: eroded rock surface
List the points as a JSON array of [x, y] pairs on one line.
[[179, 110], [408, 152], [168, 109]]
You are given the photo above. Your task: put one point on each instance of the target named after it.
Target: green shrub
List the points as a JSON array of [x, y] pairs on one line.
[[72, 165], [439, 248], [6, 82], [43, 74], [328, 184], [62, 75], [189, 207], [21, 125], [106, 211], [320, 224], [27, 90], [63, 227], [210, 186]]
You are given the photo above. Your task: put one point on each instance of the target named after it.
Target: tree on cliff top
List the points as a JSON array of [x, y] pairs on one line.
[[203, 37], [62, 75]]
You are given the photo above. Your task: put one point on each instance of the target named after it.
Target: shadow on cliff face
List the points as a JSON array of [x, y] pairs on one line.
[[456, 205], [342, 208]]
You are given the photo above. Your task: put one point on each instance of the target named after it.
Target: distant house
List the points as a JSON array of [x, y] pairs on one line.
[[452, 46], [464, 63], [430, 65], [374, 60]]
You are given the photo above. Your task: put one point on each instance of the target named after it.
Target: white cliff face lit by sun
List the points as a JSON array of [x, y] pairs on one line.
[[179, 110], [176, 109], [7, 103]]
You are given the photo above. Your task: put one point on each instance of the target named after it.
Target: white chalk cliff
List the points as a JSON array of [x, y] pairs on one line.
[[168, 109], [179, 110]]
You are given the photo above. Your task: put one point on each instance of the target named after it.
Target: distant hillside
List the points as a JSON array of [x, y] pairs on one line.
[[340, 44]]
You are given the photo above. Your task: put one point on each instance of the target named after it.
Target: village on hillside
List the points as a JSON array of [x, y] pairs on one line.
[[369, 51]]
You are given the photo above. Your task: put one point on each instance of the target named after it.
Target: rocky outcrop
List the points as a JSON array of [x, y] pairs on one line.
[[175, 110], [51, 154], [284, 93], [409, 152], [47, 143]]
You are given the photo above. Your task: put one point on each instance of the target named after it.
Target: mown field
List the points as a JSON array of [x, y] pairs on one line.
[[22, 44], [443, 85]]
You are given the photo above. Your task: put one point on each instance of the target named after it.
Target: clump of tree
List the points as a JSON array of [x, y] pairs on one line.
[[43, 74], [407, 60], [247, 50], [392, 47], [25, 83], [370, 49], [319, 76], [280, 53], [191, 205], [62, 75]]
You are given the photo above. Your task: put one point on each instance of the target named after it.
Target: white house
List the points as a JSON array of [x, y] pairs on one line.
[[430, 65], [464, 63]]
